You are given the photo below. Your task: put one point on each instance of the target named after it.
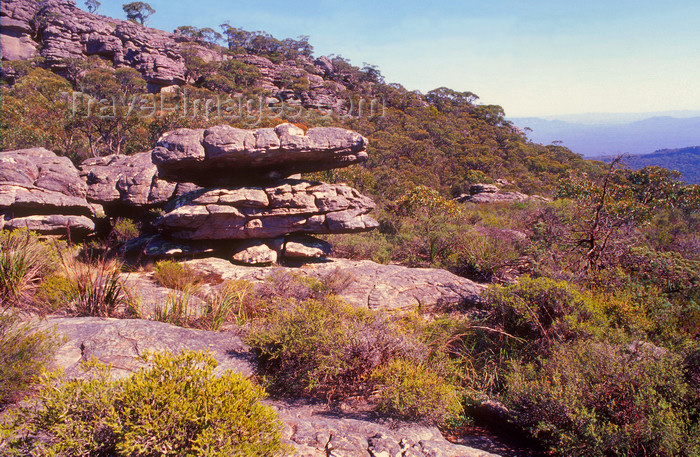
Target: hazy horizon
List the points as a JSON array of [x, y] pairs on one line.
[[537, 58]]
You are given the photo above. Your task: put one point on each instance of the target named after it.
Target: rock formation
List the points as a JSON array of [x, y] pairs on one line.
[[43, 192], [224, 155], [118, 181], [58, 30]]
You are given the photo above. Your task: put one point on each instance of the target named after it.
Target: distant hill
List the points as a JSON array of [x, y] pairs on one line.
[[610, 136], [684, 160]]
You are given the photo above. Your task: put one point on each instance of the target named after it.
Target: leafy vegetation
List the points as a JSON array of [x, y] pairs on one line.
[[24, 351], [175, 275], [175, 407]]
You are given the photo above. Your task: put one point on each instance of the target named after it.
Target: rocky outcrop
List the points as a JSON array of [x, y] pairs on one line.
[[58, 30], [491, 193], [311, 430], [224, 155], [292, 206], [42, 192], [122, 342], [317, 433], [370, 285]]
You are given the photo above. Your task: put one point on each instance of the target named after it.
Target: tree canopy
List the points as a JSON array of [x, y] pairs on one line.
[[138, 11]]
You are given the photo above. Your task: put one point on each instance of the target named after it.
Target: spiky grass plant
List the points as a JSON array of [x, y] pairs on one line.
[[23, 260], [97, 289]]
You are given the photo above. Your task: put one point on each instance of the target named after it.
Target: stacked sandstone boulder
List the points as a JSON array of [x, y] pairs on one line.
[[247, 197], [220, 189]]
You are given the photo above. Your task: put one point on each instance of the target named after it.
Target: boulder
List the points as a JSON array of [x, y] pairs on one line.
[[128, 181], [306, 247], [42, 191], [483, 189], [53, 224], [255, 252], [121, 343], [224, 155], [292, 206]]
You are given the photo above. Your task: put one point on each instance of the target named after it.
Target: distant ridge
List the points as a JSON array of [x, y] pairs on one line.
[[609, 137], [684, 160]]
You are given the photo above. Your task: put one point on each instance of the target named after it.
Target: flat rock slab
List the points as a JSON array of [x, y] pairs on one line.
[[317, 433], [121, 342], [224, 155], [370, 285]]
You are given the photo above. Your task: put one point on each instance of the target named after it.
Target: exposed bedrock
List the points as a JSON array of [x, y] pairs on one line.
[[43, 192], [58, 30], [224, 155], [292, 206]]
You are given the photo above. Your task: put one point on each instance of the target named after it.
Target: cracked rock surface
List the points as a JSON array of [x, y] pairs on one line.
[[43, 192], [370, 285], [291, 206]]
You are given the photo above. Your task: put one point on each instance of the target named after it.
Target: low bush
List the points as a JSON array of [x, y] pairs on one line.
[[177, 407], [330, 350], [55, 292], [412, 391], [325, 349], [124, 229], [598, 399], [23, 353], [541, 311], [175, 275]]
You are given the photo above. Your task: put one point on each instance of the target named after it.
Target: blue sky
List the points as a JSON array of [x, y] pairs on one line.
[[534, 58]]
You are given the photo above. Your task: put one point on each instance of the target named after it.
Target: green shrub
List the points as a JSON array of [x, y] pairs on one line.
[[412, 391], [178, 407], [597, 399], [55, 292], [541, 311], [175, 275], [124, 230], [327, 349], [23, 353]]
